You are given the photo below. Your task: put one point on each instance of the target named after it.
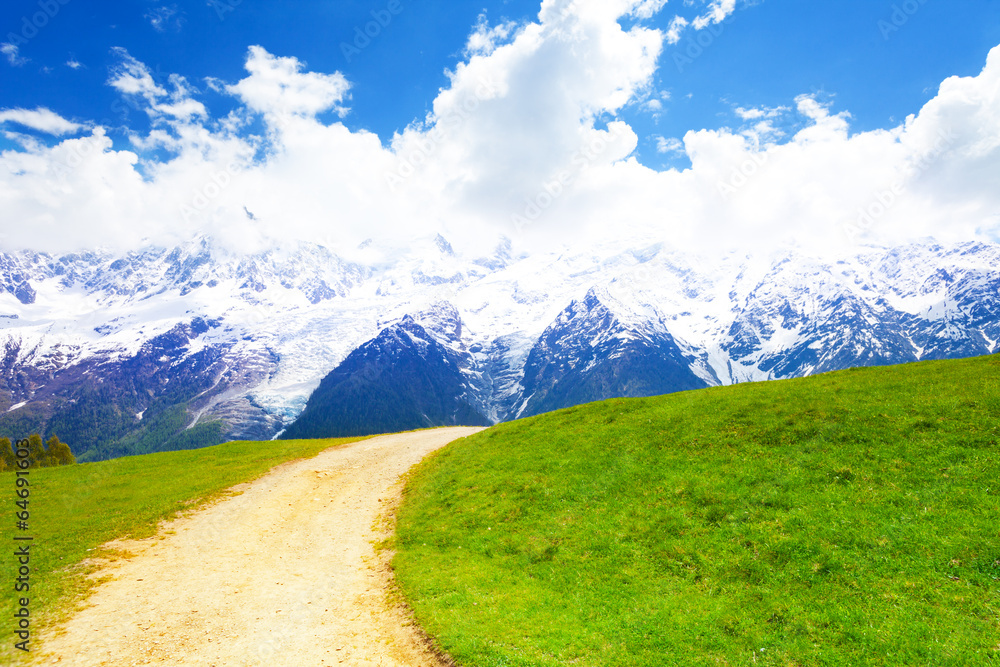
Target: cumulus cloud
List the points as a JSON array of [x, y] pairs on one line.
[[70, 195], [829, 188], [525, 140], [41, 119], [278, 87], [305, 180], [527, 112]]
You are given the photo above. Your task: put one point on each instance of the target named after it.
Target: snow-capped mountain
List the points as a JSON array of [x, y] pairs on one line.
[[589, 353], [401, 380], [168, 348]]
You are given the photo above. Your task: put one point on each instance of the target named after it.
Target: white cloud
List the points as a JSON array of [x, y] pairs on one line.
[[485, 39], [763, 112], [164, 17], [822, 185], [670, 145], [826, 127], [13, 54], [277, 87], [648, 8], [73, 63], [134, 78], [759, 123], [517, 118], [314, 181], [676, 28], [717, 12], [529, 119], [77, 190], [41, 119], [29, 142]]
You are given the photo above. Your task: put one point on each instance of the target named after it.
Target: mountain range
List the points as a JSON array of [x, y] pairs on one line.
[[172, 348]]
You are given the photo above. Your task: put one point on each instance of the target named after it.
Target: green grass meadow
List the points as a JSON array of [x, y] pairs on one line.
[[851, 518], [75, 509]]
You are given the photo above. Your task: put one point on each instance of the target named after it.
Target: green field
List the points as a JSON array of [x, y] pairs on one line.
[[845, 519], [75, 509]]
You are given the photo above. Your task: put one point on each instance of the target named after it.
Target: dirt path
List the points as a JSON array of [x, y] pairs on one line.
[[283, 574]]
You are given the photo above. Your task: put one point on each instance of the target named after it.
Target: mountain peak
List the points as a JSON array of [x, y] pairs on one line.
[[443, 245]]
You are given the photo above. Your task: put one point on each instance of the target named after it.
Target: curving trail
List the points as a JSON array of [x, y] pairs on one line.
[[283, 574]]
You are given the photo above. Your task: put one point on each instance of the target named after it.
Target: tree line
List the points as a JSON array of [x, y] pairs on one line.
[[47, 455]]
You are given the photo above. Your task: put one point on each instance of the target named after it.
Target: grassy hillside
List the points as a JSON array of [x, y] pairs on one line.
[[74, 509], [845, 519]]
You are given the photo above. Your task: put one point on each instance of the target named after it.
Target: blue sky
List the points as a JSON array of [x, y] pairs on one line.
[[878, 61]]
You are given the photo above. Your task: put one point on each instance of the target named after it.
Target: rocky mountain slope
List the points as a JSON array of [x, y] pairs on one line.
[[400, 381]]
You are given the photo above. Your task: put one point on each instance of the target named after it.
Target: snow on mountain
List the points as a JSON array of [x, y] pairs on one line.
[[241, 342], [590, 353], [401, 380]]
